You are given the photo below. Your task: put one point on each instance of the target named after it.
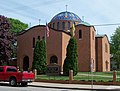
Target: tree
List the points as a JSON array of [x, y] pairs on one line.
[[39, 59], [71, 60], [115, 46], [17, 26], [6, 40]]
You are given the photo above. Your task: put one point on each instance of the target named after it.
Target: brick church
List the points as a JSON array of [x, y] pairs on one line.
[[93, 50]]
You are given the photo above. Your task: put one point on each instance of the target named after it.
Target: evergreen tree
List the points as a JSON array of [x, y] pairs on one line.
[[71, 60], [39, 59]]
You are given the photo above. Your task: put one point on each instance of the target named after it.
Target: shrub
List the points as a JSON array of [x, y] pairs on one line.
[[71, 60], [39, 60]]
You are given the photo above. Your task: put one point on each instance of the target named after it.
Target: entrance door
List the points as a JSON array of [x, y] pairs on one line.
[[26, 63]]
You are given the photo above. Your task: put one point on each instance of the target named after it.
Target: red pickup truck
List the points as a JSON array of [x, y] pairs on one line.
[[13, 76]]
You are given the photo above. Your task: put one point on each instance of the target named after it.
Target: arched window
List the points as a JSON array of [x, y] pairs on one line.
[[63, 25], [58, 25], [38, 37], [54, 59], [68, 25]]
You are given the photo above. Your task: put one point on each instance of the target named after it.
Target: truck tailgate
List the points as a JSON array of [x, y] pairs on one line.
[[28, 76]]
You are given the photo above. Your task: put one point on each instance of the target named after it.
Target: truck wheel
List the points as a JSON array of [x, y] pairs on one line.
[[24, 84], [13, 82]]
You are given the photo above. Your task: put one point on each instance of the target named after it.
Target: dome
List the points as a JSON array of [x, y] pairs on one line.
[[66, 16]]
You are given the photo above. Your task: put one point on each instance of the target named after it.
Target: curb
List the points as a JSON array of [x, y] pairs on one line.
[[71, 88], [75, 88]]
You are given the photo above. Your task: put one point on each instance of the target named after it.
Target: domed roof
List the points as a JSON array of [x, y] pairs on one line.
[[66, 16]]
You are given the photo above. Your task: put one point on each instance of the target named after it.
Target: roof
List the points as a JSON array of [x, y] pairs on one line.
[[85, 23], [100, 36], [24, 31], [44, 27], [66, 16]]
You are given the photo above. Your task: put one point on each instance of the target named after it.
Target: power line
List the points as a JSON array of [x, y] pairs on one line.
[[107, 24]]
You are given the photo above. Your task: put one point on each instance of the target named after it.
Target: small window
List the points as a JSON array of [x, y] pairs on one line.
[[80, 34], [68, 25], [1, 69], [11, 70], [93, 63], [106, 47], [58, 25], [33, 42], [53, 25], [93, 35], [38, 37], [107, 65], [43, 37], [63, 25], [50, 25]]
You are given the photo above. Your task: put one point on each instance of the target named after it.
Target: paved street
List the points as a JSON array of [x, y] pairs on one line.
[[6, 87]]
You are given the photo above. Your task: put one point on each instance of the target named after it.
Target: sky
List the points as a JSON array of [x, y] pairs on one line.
[[95, 12]]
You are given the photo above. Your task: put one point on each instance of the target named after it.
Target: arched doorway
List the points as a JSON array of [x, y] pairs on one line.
[[26, 63], [54, 59]]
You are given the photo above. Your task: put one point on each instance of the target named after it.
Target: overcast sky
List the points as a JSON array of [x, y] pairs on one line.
[[95, 12]]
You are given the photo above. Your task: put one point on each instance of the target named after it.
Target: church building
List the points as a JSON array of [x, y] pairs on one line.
[[93, 50]]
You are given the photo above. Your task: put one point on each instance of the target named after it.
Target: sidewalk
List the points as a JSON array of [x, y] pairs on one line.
[[75, 86]]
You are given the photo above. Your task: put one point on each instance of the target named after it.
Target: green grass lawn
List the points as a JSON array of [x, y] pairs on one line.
[[45, 77], [84, 76]]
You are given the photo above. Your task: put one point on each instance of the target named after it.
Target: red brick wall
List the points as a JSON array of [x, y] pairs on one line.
[[106, 54], [56, 45], [85, 47], [25, 42], [92, 48], [101, 55]]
